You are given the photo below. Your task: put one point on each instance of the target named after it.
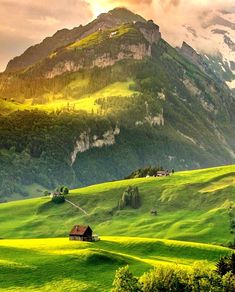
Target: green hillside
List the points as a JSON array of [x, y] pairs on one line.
[[191, 206], [58, 264], [59, 112]]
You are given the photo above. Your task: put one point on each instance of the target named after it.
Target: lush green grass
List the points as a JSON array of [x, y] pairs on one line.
[[100, 37], [58, 264], [85, 102], [190, 207]]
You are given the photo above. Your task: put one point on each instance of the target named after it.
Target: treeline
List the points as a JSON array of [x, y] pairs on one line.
[[176, 279], [146, 171], [36, 147]]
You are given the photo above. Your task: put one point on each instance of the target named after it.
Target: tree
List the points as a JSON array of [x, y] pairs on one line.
[[130, 198], [226, 265], [65, 191], [58, 199], [124, 281], [46, 193], [222, 266]]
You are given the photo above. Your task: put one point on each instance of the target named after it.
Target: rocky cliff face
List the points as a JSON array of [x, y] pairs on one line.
[[86, 142], [134, 51], [150, 31], [76, 57], [187, 51]]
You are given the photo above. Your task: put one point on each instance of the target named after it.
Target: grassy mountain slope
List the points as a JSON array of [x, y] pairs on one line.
[[58, 264], [161, 122], [192, 206], [168, 112]]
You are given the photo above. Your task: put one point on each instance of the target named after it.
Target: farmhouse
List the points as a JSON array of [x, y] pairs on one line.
[[81, 232]]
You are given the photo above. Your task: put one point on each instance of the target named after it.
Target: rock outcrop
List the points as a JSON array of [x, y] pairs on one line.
[[150, 31], [86, 142]]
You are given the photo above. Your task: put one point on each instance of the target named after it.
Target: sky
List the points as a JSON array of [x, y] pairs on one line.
[[27, 22]]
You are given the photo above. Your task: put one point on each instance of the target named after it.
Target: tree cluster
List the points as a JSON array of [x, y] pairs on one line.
[[143, 172], [173, 278], [130, 198]]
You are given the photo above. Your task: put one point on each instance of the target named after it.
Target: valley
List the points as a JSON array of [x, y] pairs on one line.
[[192, 221], [109, 132]]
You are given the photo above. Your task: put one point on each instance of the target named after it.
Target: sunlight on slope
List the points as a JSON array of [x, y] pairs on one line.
[[34, 264], [85, 102], [184, 213], [219, 185]]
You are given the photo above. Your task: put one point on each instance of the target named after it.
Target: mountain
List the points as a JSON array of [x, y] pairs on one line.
[[214, 39], [104, 104], [64, 37]]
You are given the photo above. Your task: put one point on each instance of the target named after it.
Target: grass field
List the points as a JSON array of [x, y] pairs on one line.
[[192, 206], [192, 209], [58, 264]]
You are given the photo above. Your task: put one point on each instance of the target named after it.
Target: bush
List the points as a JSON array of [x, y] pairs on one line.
[[225, 265], [164, 280], [58, 199], [175, 279], [124, 281], [228, 282]]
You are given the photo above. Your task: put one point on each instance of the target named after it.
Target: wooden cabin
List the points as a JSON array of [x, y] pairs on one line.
[[81, 233]]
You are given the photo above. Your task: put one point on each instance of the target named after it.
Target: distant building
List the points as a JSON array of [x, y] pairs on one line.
[[81, 232], [163, 173]]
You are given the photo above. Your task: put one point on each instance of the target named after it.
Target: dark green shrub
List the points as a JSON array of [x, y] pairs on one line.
[[225, 265], [58, 199], [130, 198]]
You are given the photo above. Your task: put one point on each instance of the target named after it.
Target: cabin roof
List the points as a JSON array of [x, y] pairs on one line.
[[79, 230]]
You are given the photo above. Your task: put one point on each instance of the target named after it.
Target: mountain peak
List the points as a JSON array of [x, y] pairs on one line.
[[121, 14], [63, 37]]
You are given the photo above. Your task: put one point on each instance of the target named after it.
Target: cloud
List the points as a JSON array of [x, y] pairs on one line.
[[167, 4], [173, 16], [26, 22]]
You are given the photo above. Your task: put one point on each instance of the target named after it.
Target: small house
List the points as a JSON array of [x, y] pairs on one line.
[[163, 173], [81, 233]]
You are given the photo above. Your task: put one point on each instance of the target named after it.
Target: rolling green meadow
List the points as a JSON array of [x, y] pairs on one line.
[[88, 117], [57, 264], [191, 225]]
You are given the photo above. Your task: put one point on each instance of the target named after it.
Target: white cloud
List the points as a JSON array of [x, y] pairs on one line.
[[27, 22]]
